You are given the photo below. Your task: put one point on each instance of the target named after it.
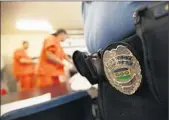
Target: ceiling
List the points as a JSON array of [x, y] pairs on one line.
[[59, 14]]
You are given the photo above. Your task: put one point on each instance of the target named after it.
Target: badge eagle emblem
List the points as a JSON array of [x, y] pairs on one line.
[[122, 69]]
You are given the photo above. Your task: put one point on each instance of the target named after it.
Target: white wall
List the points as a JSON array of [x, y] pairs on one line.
[[11, 42]]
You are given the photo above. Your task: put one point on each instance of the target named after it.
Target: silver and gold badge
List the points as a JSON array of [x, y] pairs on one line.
[[122, 69]]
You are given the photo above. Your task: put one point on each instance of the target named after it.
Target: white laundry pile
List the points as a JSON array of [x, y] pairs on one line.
[[78, 82]]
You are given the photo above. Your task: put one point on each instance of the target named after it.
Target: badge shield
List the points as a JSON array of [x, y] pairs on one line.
[[122, 69]]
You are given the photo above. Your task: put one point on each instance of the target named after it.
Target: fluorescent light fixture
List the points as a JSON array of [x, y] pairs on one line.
[[40, 25]]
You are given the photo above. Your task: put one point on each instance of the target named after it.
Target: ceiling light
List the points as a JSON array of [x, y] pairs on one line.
[[39, 25]]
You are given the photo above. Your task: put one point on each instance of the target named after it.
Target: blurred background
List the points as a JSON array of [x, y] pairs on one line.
[[33, 21]]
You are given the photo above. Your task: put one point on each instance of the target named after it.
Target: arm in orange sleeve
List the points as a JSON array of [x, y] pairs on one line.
[[52, 57], [26, 60], [19, 55], [66, 57], [50, 50], [49, 43]]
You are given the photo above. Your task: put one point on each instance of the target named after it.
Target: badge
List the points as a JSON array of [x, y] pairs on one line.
[[122, 69]]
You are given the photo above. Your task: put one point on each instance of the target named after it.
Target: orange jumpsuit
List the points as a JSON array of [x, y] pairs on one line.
[[23, 72], [48, 72]]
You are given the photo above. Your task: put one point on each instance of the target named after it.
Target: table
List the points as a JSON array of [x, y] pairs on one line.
[[63, 100], [56, 91]]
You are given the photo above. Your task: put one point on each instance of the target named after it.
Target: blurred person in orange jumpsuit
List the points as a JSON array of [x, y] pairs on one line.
[[51, 63], [23, 68]]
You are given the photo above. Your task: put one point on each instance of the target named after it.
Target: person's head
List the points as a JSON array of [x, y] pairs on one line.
[[25, 44], [61, 34]]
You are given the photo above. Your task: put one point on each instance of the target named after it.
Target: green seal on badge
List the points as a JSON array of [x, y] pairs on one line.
[[122, 74], [122, 69]]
